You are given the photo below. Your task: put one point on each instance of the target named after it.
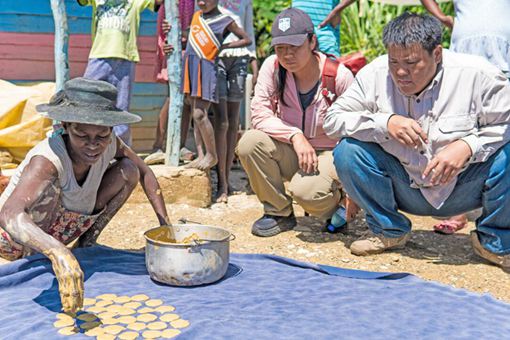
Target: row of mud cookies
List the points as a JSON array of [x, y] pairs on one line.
[[109, 316]]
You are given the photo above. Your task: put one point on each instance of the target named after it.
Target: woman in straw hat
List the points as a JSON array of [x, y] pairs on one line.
[[71, 184]]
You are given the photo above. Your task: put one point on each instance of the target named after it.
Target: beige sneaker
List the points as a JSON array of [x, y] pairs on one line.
[[371, 243], [501, 260]]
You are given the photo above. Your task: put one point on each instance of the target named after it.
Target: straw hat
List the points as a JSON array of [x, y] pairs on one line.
[[87, 101]]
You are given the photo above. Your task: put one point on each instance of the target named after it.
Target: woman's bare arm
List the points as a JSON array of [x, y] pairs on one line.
[[37, 180]]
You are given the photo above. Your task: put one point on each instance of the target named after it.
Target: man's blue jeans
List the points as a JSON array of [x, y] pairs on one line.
[[380, 185]]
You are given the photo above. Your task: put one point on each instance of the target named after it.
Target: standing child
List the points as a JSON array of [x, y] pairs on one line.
[[232, 72], [209, 27], [114, 52]]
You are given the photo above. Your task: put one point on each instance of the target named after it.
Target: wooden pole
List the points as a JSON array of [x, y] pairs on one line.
[[174, 67], [61, 43]]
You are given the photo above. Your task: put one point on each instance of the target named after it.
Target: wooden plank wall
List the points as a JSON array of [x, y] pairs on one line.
[[26, 53]]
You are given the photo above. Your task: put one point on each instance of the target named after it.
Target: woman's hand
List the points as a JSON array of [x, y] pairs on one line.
[[70, 279], [307, 158]]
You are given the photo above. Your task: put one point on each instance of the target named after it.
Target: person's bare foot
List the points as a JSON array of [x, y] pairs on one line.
[[194, 163], [451, 225], [207, 162], [222, 198], [203, 164]]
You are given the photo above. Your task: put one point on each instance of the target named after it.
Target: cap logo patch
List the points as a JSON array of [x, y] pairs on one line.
[[284, 24]]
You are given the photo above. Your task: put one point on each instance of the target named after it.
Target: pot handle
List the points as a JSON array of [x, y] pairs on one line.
[[199, 242], [184, 220]]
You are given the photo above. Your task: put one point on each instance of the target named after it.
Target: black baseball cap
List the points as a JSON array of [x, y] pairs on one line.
[[291, 27]]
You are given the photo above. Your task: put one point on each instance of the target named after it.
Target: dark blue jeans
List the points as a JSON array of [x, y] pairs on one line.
[[380, 185]]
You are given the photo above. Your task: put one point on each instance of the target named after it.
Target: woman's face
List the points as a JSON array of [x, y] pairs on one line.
[[87, 142], [207, 5], [295, 58]]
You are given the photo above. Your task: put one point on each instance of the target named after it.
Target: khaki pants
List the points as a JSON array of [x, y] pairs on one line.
[[268, 163]]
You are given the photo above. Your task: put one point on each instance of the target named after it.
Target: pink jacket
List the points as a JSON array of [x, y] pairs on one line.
[[289, 121]]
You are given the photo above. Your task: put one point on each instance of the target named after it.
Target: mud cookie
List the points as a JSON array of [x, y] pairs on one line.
[[154, 303], [180, 323]]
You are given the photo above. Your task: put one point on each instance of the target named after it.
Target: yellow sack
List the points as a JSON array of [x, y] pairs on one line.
[[21, 127]]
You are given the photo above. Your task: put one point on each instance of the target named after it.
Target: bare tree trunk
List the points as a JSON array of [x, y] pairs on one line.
[[61, 43], [174, 66]]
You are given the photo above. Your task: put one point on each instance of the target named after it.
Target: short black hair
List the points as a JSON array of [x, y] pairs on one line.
[[410, 28]]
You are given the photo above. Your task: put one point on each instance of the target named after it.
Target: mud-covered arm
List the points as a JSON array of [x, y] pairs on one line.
[[35, 182], [148, 181]]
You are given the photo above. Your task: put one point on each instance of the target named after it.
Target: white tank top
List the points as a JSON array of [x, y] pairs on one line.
[[81, 199]]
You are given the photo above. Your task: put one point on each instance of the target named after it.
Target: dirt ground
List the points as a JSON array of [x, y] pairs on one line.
[[446, 259]]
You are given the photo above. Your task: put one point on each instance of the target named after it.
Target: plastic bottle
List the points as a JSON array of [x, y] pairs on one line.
[[338, 221]]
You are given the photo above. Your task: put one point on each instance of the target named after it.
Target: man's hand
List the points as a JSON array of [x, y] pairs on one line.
[[307, 158], [69, 277], [448, 163], [406, 131]]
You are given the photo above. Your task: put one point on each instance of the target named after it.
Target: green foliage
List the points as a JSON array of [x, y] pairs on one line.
[[361, 30], [264, 12]]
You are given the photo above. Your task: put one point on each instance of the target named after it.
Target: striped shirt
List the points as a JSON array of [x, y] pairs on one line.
[[318, 10]]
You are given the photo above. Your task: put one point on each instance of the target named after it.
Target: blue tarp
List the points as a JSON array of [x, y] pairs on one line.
[[261, 297]]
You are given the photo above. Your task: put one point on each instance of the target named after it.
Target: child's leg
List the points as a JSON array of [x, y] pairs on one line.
[[233, 128], [205, 128], [221, 127], [162, 125], [185, 122], [198, 142]]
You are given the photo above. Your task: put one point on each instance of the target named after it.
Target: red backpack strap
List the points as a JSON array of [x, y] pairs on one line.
[[329, 79], [274, 98]]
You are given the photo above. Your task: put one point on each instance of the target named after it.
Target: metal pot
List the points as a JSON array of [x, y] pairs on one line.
[[192, 263]]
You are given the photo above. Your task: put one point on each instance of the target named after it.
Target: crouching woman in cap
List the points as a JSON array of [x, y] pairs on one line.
[[71, 184], [294, 90]]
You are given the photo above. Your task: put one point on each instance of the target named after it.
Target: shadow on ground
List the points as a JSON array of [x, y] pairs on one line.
[[427, 245]]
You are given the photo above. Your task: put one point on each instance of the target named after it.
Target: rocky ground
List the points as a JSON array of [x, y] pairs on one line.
[[446, 259]]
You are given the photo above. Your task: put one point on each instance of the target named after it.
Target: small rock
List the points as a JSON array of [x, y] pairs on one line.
[[302, 228], [395, 259], [291, 246], [346, 260]]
